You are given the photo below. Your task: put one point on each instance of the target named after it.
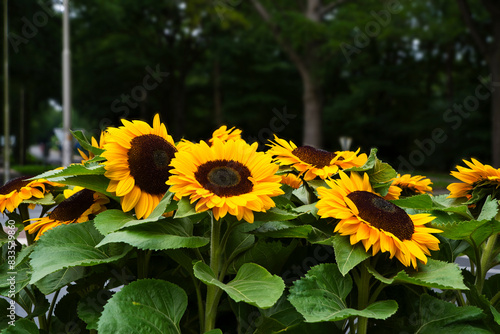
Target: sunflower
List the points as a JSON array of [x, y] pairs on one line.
[[19, 189], [138, 159], [79, 204], [292, 180], [224, 134], [311, 162], [95, 143], [376, 222], [412, 185], [227, 177], [478, 175]]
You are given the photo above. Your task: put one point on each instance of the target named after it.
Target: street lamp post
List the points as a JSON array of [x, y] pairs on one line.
[[66, 141]]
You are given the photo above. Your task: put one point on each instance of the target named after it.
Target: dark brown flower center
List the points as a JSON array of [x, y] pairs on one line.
[[149, 159], [14, 184], [408, 190], [73, 207], [224, 178], [313, 156], [382, 214]]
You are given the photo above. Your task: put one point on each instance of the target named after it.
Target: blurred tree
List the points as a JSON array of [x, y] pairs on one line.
[[304, 48], [133, 59], [35, 68], [483, 21]]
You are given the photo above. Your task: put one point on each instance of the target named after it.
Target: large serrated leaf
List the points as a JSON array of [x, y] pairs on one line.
[[72, 170], [434, 274], [370, 162], [473, 230], [145, 306], [114, 220], [321, 296], [276, 214], [271, 255], [162, 234], [60, 278], [84, 142], [438, 316], [69, 246], [347, 256], [421, 202], [253, 284], [22, 326]]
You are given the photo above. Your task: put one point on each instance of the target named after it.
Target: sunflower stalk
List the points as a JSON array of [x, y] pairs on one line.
[[363, 284], [213, 292], [143, 257], [485, 261], [25, 216]]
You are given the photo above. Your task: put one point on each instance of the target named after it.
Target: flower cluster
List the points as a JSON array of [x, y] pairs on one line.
[[149, 197]]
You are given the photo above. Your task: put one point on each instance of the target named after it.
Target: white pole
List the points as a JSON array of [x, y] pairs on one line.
[[6, 114], [66, 144]]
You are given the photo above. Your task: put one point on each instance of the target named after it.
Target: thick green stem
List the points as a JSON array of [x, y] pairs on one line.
[[213, 292], [363, 296], [495, 298], [486, 257], [143, 263], [25, 216], [51, 308]]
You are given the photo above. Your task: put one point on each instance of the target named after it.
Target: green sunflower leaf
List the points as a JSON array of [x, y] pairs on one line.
[[347, 256], [276, 214], [113, 220], [59, 175], [270, 255], [90, 307], [85, 143], [379, 172], [443, 203], [97, 183], [48, 199], [187, 209], [420, 202], [284, 229], [214, 331], [434, 274], [20, 276], [145, 306], [253, 284], [489, 209], [369, 164], [472, 230], [69, 246], [496, 314], [60, 278], [433, 315], [382, 173], [283, 317], [22, 326], [321, 296], [162, 234]]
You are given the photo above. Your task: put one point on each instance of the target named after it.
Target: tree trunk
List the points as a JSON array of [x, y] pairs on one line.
[[313, 109]]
